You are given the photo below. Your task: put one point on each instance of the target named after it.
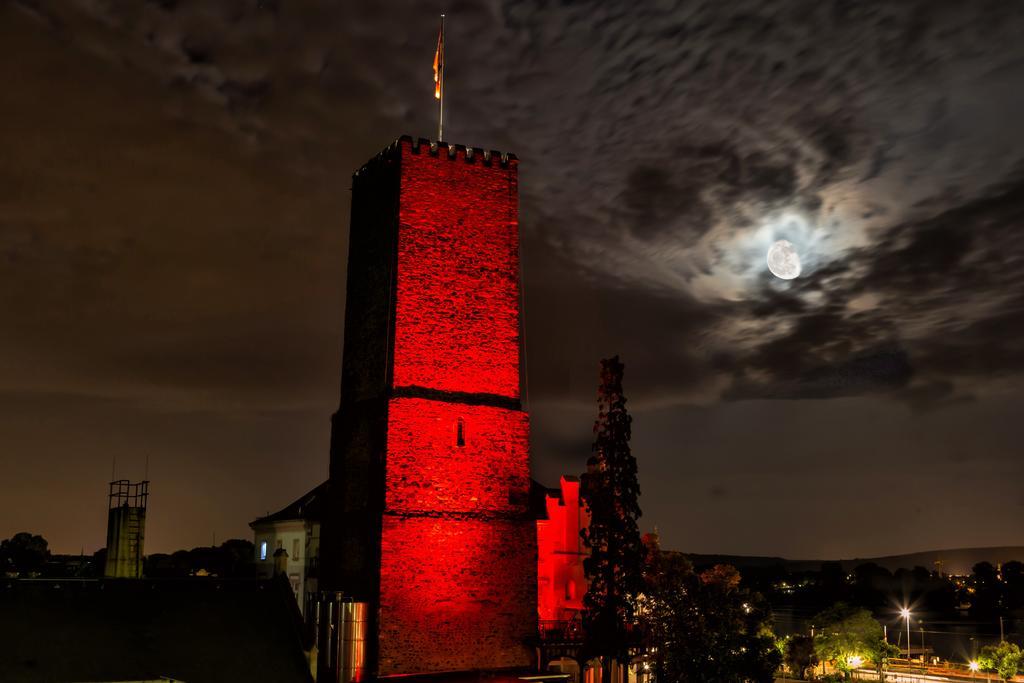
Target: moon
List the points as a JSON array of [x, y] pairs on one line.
[[783, 260]]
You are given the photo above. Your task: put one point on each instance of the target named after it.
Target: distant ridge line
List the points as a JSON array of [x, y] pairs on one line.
[[955, 560]]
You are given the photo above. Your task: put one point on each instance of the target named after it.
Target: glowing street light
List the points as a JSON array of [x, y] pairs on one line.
[[855, 661], [905, 613]]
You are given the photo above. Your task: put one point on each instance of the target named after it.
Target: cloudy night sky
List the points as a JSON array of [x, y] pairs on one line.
[[174, 197]]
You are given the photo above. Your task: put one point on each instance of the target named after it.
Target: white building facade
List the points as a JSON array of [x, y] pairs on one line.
[[288, 542]]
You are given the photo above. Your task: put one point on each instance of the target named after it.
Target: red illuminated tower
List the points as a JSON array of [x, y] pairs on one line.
[[429, 520]]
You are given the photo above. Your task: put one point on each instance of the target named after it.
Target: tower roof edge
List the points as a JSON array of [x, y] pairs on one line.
[[452, 151], [460, 152]]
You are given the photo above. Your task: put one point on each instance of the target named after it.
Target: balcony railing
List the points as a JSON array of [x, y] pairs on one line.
[[571, 631], [552, 631]]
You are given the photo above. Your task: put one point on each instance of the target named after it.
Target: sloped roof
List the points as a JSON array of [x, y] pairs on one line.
[[539, 494], [191, 630], [310, 507]]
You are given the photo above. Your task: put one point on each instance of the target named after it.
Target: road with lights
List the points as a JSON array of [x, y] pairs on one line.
[[913, 677]]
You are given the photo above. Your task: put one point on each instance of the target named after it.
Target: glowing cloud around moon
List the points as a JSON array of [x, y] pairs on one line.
[[783, 260]]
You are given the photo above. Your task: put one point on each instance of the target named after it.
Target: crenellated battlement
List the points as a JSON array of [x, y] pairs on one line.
[[441, 150], [459, 152]]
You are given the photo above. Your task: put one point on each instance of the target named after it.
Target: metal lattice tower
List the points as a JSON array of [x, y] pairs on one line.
[[126, 528]]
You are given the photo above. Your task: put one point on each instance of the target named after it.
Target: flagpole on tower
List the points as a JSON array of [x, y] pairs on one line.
[[439, 80]]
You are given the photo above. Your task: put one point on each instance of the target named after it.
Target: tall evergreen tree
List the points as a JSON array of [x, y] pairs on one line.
[[615, 565]]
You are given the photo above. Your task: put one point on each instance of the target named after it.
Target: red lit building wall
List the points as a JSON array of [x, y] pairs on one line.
[[458, 547], [452, 594], [561, 582], [457, 308], [428, 472]]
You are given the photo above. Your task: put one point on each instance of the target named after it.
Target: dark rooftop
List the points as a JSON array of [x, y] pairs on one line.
[[309, 507], [191, 630], [538, 498]]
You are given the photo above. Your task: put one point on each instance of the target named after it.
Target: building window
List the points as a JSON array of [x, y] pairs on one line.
[[460, 432], [263, 550], [295, 548]]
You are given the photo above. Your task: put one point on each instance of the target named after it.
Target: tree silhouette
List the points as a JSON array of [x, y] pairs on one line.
[[799, 655], [24, 553], [987, 597], [615, 565], [707, 627]]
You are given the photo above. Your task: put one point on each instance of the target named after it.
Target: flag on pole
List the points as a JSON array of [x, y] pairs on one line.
[[439, 62]]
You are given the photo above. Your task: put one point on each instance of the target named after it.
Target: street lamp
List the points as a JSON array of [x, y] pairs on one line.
[[905, 613]]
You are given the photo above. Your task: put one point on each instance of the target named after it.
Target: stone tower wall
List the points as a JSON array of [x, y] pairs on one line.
[[430, 460]]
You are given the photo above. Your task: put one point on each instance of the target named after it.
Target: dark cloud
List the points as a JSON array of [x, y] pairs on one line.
[[884, 370], [933, 394], [656, 204], [679, 197]]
